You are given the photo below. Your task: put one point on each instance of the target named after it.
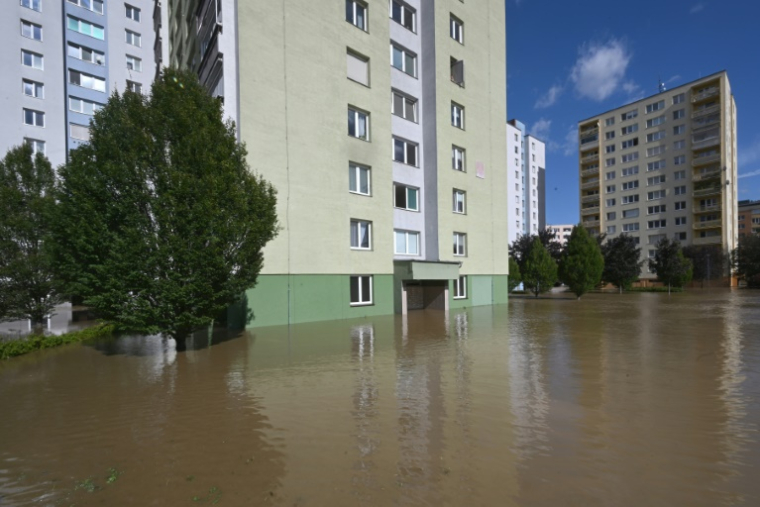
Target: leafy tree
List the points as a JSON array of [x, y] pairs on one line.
[[27, 285], [746, 258], [540, 271], [161, 224], [708, 261], [522, 245], [622, 266], [670, 265], [582, 262], [515, 277]]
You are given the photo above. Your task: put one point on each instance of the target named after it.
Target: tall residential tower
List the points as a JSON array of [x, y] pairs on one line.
[[526, 181]]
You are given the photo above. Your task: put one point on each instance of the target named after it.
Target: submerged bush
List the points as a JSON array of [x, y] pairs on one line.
[[34, 342]]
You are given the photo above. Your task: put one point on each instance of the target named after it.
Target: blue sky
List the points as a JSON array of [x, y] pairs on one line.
[[567, 61]]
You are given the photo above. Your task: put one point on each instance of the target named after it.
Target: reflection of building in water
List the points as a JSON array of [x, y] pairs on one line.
[[364, 401]]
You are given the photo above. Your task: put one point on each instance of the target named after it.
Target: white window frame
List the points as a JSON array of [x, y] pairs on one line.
[[408, 148], [460, 244], [363, 299], [35, 5], [89, 5], [350, 53], [132, 12], [460, 287], [35, 58], [458, 158], [405, 55], [633, 227], [407, 189], [407, 235], [456, 29], [133, 38], [85, 27], [36, 115], [353, 17], [95, 79], [37, 88], [457, 116], [34, 31], [77, 51], [38, 146], [359, 225], [459, 201], [357, 169], [630, 199], [359, 116], [407, 15], [655, 106], [84, 128], [135, 62], [407, 101], [82, 109]]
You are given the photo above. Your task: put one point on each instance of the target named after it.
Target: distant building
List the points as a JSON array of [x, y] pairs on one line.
[[749, 218], [561, 232], [663, 167], [526, 181]]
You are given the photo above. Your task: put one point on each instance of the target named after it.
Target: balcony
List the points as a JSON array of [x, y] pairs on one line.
[[590, 198], [591, 223], [707, 175], [705, 143], [697, 113], [705, 94], [702, 192], [708, 224], [590, 172], [704, 160], [589, 158], [707, 209], [590, 211], [590, 184], [711, 240]]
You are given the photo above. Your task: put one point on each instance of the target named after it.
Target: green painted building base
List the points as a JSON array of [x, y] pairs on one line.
[[482, 290]]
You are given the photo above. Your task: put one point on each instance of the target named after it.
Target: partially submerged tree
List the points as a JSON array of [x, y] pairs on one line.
[[622, 266], [520, 248], [27, 285], [515, 277], [582, 262], [670, 265], [161, 224], [746, 259], [708, 261], [540, 271]]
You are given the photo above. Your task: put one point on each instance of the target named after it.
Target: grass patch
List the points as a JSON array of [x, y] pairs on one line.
[[654, 289], [13, 348]]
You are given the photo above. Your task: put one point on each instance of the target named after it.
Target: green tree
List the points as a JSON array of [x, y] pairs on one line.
[[520, 247], [160, 224], [746, 258], [515, 277], [708, 261], [622, 266], [582, 262], [540, 271], [27, 285], [670, 265]]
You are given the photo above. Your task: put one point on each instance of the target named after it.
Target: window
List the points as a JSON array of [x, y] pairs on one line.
[[359, 181], [37, 145], [134, 63], [361, 290], [681, 205], [35, 5], [631, 213], [31, 30], [458, 158], [357, 67], [631, 227], [680, 113], [656, 150], [656, 106], [405, 197], [679, 129], [404, 106], [611, 229], [630, 185], [457, 116], [456, 29], [630, 157], [630, 199], [458, 201], [657, 194], [610, 189], [132, 13], [609, 135], [79, 132], [356, 14], [630, 115], [655, 136], [85, 27], [404, 15], [656, 166], [656, 238], [460, 287], [405, 152], [609, 122], [610, 202], [681, 190], [404, 60], [134, 86], [630, 143], [406, 242], [609, 162], [630, 171], [630, 129], [460, 244], [90, 5], [677, 99], [680, 236], [133, 38], [611, 215], [655, 180], [29, 59], [610, 148], [33, 89], [86, 54], [656, 224], [655, 121], [358, 124], [83, 106], [679, 145], [680, 220], [457, 71], [34, 118], [361, 234], [610, 175], [87, 81], [653, 210], [679, 160]]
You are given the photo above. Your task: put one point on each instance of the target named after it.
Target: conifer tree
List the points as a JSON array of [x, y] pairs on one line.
[[582, 262], [540, 271], [622, 266]]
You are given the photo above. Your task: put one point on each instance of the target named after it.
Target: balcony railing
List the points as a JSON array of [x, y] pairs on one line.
[[589, 158], [705, 143], [706, 94], [705, 110], [709, 159], [590, 211], [707, 191], [708, 224], [591, 223], [707, 209], [590, 172], [710, 240], [589, 184], [713, 173], [589, 198]]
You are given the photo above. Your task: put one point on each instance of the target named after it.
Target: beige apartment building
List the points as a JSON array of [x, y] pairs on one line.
[[381, 125], [663, 167]]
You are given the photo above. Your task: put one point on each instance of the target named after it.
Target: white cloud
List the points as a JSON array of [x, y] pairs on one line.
[[697, 8], [541, 128], [570, 146], [633, 90], [600, 69], [550, 97], [750, 174]]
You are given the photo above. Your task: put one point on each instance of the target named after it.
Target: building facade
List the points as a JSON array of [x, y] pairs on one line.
[[561, 232], [526, 181], [663, 167], [381, 125], [748, 218], [62, 59]]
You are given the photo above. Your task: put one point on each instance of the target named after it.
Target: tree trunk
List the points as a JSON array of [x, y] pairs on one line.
[[668, 289], [620, 289]]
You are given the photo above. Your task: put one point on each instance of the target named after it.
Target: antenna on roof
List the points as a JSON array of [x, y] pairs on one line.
[[661, 85]]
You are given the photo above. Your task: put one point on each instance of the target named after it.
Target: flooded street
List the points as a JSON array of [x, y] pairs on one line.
[[634, 399]]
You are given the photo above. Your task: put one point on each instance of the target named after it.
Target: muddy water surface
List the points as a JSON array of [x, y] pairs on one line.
[[639, 399]]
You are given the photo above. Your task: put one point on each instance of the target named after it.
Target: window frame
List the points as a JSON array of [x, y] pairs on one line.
[[457, 203], [80, 50], [30, 4], [406, 101], [407, 189], [355, 4], [405, 55], [135, 36], [403, 8], [456, 29], [36, 85], [460, 287], [35, 116], [83, 22], [356, 169], [34, 57], [460, 244], [458, 154], [135, 10], [135, 59], [408, 147], [34, 30], [35, 143], [407, 234], [359, 223], [79, 3], [358, 114], [362, 301], [457, 116]]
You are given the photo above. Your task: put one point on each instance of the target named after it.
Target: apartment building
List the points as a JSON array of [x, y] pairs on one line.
[[561, 232], [381, 125], [749, 218], [663, 167], [526, 181], [62, 59]]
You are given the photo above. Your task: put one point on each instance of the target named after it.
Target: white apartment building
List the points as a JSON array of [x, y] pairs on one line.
[[526, 181], [561, 232]]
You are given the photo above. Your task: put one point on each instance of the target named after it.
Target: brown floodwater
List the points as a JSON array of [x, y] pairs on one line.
[[634, 399]]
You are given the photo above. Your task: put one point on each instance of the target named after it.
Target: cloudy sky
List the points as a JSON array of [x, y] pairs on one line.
[[567, 61]]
